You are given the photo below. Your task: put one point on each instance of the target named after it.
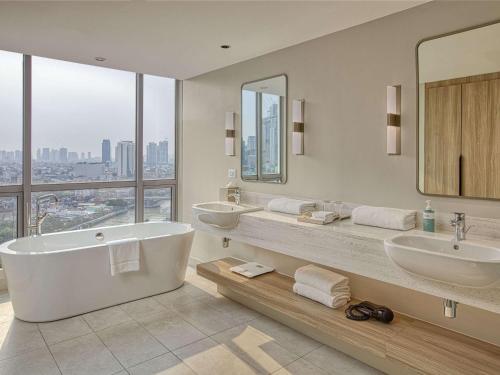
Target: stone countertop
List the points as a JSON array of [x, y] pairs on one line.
[[345, 226], [348, 247]]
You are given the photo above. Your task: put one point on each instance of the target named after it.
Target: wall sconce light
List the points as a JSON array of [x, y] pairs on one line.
[[298, 127], [394, 120], [230, 134]]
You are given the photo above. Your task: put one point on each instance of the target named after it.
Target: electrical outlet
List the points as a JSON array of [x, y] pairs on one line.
[[231, 173]]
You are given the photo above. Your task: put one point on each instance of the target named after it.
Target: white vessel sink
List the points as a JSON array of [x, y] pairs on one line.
[[224, 215], [473, 264]]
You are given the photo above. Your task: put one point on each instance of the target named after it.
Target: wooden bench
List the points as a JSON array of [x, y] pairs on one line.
[[406, 346]]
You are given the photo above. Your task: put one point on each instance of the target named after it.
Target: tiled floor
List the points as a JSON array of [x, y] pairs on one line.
[[193, 330]]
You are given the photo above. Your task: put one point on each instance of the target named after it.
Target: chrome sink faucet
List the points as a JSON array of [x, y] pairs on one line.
[[237, 197], [36, 228], [458, 222]]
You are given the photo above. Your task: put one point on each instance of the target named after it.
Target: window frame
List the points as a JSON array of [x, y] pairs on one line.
[[23, 192]]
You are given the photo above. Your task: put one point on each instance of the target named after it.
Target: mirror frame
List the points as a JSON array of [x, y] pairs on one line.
[[283, 137], [418, 109]]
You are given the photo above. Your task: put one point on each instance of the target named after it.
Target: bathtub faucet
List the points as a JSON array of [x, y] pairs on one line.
[[40, 217]]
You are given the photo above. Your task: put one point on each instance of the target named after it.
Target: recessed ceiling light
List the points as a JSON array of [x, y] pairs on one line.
[[100, 59], [225, 46]]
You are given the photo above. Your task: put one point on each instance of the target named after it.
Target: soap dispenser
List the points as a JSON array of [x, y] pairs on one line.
[[429, 223]]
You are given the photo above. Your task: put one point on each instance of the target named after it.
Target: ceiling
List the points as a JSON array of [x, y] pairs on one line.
[[176, 39]]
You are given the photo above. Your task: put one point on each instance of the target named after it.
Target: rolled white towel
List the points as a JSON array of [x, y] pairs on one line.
[[334, 301], [383, 217], [325, 281], [291, 206], [323, 215]]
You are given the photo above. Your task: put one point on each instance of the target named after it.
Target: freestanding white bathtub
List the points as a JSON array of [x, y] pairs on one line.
[[55, 276]]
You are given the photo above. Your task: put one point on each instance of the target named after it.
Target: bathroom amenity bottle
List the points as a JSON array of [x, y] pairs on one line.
[[428, 218]]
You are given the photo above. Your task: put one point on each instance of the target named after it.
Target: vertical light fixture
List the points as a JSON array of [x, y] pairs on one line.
[[394, 120], [298, 127], [230, 134]]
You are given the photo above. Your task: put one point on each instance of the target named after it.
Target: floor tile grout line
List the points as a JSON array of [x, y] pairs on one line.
[[310, 351], [149, 333], [276, 342], [68, 339], [48, 348], [112, 354], [147, 360], [182, 361], [112, 325]]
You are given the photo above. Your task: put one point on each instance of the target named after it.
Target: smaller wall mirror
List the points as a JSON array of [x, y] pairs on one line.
[[263, 130]]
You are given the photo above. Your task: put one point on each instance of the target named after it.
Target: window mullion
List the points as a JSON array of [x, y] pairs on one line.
[[258, 145], [177, 141], [25, 208], [139, 155]]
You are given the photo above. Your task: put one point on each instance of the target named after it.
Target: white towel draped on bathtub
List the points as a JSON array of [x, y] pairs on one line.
[[124, 255]]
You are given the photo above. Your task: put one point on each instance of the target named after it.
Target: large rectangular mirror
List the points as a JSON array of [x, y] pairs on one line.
[[459, 114], [263, 130]]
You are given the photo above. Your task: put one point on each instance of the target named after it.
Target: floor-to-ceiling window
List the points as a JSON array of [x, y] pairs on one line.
[[102, 140]]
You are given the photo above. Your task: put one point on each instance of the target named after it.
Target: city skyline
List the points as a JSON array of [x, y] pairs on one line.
[[47, 154], [81, 104]]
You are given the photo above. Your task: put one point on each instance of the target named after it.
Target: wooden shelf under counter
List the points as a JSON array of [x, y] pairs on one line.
[[406, 346]]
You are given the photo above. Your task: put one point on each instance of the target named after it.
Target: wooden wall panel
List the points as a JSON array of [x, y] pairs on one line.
[[477, 140], [442, 139], [493, 172]]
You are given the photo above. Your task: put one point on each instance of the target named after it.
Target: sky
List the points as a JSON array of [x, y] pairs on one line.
[[77, 106]]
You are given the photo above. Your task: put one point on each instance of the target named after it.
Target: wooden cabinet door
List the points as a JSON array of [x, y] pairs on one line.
[[493, 186], [442, 140], [480, 139]]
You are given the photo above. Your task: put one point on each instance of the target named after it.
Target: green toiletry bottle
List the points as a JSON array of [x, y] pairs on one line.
[[429, 223]]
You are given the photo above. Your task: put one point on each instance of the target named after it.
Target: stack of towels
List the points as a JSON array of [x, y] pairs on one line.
[[325, 216], [291, 206], [384, 217], [323, 286]]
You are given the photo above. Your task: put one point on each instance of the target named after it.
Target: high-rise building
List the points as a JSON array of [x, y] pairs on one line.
[[46, 154], [271, 146], [63, 155], [163, 152], [82, 156], [106, 151], [72, 157], [54, 156], [89, 156], [39, 155], [125, 158], [18, 156], [152, 154]]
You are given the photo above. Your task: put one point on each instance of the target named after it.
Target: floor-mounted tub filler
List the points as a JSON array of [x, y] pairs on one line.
[[59, 275]]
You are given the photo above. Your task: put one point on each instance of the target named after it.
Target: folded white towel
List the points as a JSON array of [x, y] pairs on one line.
[[323, 215], [291, 206], [124, 255], [334, 301], [390, 218], [325, 281]]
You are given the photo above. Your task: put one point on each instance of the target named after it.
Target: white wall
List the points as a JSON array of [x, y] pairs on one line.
[[343, 78]]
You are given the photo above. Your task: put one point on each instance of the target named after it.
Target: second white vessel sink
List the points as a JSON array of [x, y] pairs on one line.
[[473, 264], [223, 215]]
